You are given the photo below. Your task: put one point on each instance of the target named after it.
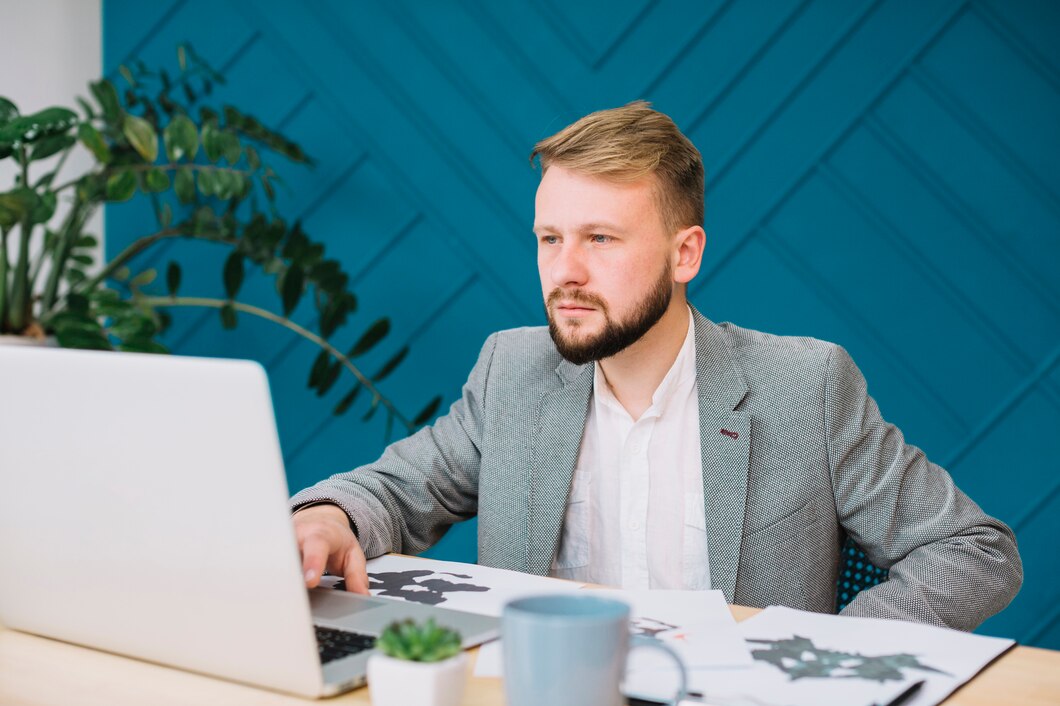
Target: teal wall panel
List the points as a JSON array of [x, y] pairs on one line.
[[881, 173]]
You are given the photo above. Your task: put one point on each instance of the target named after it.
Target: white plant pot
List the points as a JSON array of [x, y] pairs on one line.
[[399, 682]]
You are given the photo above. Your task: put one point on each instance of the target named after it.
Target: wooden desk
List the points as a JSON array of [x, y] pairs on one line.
[[40, 672]]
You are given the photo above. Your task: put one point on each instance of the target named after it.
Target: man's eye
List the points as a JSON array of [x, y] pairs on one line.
[[597, 238], [549, 239]]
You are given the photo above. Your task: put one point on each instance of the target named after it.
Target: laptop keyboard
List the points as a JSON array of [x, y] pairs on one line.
[[336, 644]]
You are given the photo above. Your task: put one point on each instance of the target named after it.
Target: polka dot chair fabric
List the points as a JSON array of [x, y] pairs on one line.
[[855, 575]]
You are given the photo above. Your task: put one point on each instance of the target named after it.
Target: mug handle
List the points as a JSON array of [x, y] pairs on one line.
[[655, 643]]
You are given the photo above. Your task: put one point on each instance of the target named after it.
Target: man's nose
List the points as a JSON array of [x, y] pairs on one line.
[[568, 268]]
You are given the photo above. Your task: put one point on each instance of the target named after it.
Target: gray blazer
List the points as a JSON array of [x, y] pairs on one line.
[[804, 459]]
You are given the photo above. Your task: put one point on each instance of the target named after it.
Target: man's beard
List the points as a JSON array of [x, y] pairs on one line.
[[616, 335]]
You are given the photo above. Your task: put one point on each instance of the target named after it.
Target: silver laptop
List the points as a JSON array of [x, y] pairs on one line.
[[143, 511]]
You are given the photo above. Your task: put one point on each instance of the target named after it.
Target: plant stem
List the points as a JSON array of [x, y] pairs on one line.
[[304, 333], [20, 295], [18, 315], [3, 279], [70, 230], [137, 247]]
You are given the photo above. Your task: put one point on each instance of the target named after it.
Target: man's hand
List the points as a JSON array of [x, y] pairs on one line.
[[326, 541]]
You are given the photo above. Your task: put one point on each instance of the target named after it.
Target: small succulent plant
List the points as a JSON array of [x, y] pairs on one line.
[[416, 642]]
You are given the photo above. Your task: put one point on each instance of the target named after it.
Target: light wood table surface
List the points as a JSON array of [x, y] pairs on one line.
[[40, 672]]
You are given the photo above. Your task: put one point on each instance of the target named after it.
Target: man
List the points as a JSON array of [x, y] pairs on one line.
[[637, 444]]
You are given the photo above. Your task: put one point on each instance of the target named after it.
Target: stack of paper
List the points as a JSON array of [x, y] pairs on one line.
[[810, 659]]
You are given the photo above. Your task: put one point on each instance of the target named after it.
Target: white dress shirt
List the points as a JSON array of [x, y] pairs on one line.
[[635, 516]]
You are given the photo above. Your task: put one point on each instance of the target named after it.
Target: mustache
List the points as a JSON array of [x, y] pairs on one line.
[[577, 296]]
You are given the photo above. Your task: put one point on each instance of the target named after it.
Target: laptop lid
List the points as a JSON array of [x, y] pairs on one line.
[[143, 511]]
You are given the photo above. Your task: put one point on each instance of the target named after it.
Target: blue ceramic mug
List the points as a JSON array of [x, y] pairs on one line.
[[570, 650]]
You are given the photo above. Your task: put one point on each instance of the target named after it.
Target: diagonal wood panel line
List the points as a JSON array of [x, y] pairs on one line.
[[744, 70], [829, 146], [509, 46], [391, 88], [836, 300], [322, 196], [348, 123], [456, 77], [579, 43], [840, 40], [932, 274], [695, 38], [982, 430], [326, 421], [152, 32], [967, 118], [1044, 625], [1018, 43], [962, 211]]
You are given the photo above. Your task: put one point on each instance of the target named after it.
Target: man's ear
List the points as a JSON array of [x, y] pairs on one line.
[[688, 253]]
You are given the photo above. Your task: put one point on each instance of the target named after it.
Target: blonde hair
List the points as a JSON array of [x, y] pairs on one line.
[[625, 144]]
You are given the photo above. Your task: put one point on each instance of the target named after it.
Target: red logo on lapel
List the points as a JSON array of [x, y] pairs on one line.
[[730, 434]]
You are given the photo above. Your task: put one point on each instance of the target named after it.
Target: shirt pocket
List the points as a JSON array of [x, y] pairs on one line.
[[574, 544]]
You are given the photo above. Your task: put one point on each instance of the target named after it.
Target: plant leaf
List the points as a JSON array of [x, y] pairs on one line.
[[93, 140], [86, 108], [320, 366], [212, 142], [329, 378], [184, 185], [207, 182], [165, 215], [230, 147], [253, 160], [45, 208], [427, 412], [143, 279], [228, 317], [181, 139], [121, 186], [156, 180], [376, 333], [107, 97], [141, 135], [48, 146], [30, 128], [8, 110], [347, 401], [233, 274], [293, 284], [389, 366], [173, 278]]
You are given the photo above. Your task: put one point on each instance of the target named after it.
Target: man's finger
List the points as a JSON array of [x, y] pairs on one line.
[[314, 558], [356, 571]]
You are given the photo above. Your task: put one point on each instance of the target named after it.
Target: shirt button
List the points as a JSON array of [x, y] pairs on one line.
[[635, 448], [634, 525]]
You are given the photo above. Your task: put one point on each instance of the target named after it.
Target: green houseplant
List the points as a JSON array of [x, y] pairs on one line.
[[210, 180], [417, 663]]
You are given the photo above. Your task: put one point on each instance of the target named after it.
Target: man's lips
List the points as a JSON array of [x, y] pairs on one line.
[[572, 309]]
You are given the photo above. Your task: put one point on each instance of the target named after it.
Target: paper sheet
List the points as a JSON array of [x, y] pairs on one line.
[[450, 584], [810, 659], [696, 624]]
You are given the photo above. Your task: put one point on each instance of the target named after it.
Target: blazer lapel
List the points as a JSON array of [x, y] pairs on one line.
[[561, 424], [724, 446]]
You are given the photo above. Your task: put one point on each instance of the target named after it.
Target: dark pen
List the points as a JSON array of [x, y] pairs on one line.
[[905, 695]]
